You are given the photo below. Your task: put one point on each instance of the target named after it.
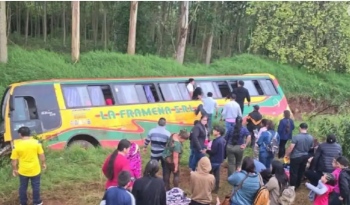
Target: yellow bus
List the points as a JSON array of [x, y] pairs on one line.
[[100, 112]]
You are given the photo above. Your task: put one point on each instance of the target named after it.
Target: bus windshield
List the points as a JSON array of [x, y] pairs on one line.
[[4, 102]]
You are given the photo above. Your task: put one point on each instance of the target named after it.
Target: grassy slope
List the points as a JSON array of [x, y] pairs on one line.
[[39, 64]]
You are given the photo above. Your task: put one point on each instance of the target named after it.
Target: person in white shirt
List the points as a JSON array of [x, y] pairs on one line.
[[190, 86], [230, 112], [210, 106]]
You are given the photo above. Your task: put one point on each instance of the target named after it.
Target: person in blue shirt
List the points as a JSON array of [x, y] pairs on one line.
[[217, 154], [119, 195], [285, 131], [265, 139]]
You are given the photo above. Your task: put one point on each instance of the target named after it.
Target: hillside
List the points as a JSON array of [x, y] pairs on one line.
[[40, 64]]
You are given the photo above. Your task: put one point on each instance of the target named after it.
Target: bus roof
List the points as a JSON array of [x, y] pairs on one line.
[[150, 79]]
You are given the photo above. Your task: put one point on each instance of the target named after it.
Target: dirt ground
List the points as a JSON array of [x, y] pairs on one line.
[[91, 193]]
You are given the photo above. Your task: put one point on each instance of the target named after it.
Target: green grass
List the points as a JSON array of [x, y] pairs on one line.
[[40, 64]]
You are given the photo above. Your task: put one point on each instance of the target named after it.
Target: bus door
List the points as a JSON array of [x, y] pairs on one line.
[[36, 107]]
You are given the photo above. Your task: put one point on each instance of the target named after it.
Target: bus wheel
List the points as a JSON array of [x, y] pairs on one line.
[[81, 143]]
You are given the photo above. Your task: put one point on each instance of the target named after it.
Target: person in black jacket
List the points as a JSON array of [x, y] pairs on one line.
[[150, 190], [253, 121], [322, 161], [198, 135], [344, 181], [241, 94]]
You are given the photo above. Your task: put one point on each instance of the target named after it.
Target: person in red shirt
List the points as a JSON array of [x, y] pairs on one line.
[[116, 162]]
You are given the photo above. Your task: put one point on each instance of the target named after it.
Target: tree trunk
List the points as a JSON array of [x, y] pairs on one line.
[[64, 22], [3, 37], [95, 21], [27, 26], [52, 33], [132, 28], [105, 28], [45, 22], [75, 31], [181, 46], [9, 14], [18, 18], [209, 48]]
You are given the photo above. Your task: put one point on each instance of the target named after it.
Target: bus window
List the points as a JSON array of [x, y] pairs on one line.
[[234, 84], [258, 87], [170, 91], [76, 96], [150, 93], [210, 87], [126, 94], [184, 91], [223, 88], [249, 85], [268, 87], [97, 96], [25, 109]]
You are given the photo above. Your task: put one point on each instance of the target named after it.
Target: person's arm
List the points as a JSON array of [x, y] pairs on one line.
[[291, 147], [14, 162], [148, 139], [247, 96], [41, 155], [214, 148], [261, 139], [343, 185], [248, 139], [239, 111], [280, 127], [195, 134], [314, 162], [319, 190], [104, 167], [223, 113], [234, 178], [190, 89], [176, 153], [291, 125], [216, 109]]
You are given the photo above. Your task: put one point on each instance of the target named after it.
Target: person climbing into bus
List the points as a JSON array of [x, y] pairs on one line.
[[190, 87], [241, 94], [210, 106], [230, 112], [253, 123]]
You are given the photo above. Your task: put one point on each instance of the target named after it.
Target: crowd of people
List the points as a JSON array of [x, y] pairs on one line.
[[278, 167]]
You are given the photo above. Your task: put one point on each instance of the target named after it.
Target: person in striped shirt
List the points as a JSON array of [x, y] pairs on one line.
[[158, 138]]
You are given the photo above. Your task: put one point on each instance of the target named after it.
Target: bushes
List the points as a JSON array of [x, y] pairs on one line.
[[40, 64]]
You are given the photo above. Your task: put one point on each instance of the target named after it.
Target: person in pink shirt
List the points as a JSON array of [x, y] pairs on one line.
[[134, 158], [338, 163], [320, 194], [116, 162]]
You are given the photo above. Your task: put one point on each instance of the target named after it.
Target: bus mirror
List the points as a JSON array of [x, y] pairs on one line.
[[12, 107]]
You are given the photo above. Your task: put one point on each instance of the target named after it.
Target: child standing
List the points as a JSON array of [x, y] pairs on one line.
[[338, 164], [344, 181], [134, 158], [216, 154], [320, 194]]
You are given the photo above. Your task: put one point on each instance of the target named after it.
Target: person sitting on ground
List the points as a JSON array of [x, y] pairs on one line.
[[202, 183], [265, 155], [217, 153], [259, 167], [172, 155], [119, 193], [149, 189], [247, 181], [116, 162], [320, 194], [323, 159], [277, 183], [285, 131]]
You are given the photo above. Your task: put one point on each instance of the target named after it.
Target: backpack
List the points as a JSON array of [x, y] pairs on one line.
[[262, 197], [273, 146], [287, 196]]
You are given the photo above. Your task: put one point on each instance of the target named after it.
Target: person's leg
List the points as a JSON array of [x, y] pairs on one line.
[[176, 178], [293, 171], [269, 160], [263, 158], [215, 170], [252, 142], [231, 159], [166, 176], [23, 186], [301, 170], [227, 126], [35, 181], [238, 155], [282, 148], [196, 157]]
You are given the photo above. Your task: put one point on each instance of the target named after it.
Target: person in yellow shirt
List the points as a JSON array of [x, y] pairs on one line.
[[25, 164]]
